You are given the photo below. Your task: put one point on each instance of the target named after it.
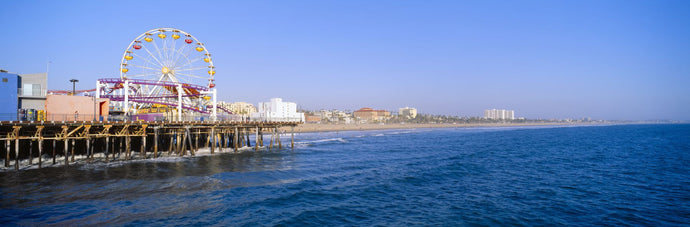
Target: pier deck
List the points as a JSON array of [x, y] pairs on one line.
[[29, 140]]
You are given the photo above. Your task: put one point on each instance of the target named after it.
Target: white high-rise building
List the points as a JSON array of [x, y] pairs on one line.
[[499, 114], [407, 112], [277, 110]]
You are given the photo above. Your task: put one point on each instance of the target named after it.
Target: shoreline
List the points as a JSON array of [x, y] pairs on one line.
[[368, 127]]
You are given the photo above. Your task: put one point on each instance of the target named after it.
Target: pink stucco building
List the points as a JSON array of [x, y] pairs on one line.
[[76, 108]]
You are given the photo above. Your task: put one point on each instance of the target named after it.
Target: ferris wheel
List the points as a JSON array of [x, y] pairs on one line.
[[168, 54], [163, 67]]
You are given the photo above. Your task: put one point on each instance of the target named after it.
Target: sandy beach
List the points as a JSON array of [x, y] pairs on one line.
[[361, 127]]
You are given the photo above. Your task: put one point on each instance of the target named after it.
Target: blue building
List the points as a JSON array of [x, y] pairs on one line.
[[9, 85]]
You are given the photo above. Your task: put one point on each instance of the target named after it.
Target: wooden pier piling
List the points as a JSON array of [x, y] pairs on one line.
[[66, 152], [236, 140], [39, 138], [54, 150], [277, 138], [107, 142], [212, 137], [155, 142], [7, 151]]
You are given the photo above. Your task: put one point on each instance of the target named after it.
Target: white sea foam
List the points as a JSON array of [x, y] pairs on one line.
[[313, 142], [98, 159], [329, 140]]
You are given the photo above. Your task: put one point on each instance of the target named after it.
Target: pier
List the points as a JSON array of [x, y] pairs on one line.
[[127, 140]]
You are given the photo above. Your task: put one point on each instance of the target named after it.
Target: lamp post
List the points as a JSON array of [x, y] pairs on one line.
[[74, 82]]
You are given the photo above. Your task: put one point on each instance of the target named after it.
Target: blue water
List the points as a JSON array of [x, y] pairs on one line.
[[630, 175]]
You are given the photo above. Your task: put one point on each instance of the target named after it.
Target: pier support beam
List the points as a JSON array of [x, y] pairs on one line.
[[88, 151], [15, 134], [143, 146], [219, 140], [66, 151], [189, 141], [171, 146], [178, 140], [249, 143], [73, 141], [128, 150], [40, 152], [208, 139], [261, 136], [31, 144], [212, 137], [16, 153], [280, 143], [256, 140], [183, 149], [54, 148], [236, 140], [196, 140], [7, 153], [121, 148], [155, 142], [273, 135], [107, 142]]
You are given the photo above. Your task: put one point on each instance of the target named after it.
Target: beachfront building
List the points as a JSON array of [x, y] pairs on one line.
[[407, 113], [334, 115], [499, 114], [277, 110], [369, 114], [312, 118], [240, 108]]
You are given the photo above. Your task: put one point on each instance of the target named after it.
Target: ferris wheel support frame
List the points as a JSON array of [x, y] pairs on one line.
[[213, 92], [126, 93], [179, 102]]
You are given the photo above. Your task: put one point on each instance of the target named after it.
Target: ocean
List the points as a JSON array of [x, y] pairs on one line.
[[615, 175]]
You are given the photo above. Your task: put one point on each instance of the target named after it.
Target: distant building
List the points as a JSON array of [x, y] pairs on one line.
[[312, 118], [369, 114], [407, 112], [334, 115], [241, 108], [277, 110], [499, 114]]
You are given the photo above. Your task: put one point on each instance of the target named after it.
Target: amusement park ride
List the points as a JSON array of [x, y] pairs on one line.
[[163, 70]]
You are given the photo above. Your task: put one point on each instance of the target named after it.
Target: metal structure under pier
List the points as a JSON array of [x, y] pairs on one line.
[[21, 143]]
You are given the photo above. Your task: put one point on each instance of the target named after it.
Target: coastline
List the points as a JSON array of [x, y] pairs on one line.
[[367, 127]]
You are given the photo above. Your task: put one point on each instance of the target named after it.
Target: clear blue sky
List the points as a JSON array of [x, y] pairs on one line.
[[620, 60]]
